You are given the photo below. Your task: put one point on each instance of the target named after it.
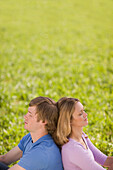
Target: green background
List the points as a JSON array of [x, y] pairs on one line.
[[56, 48]]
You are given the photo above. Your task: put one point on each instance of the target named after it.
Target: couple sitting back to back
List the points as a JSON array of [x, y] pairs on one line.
[[62, 123]]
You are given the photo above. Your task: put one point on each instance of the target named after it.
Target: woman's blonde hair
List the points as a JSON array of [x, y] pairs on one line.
[[66, 108]]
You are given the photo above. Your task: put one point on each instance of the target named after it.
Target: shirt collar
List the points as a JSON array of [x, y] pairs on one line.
[[43, 138]]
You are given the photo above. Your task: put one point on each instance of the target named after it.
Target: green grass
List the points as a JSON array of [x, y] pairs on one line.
[[56, 48]]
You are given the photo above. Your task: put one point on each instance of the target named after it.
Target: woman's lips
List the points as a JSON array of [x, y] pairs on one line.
[[86, 119]]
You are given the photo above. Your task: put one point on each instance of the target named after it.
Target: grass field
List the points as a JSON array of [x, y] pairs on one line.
[[56, 48]]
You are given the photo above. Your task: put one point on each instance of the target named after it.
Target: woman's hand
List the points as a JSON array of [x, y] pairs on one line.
[[109, 162], [111, 167]]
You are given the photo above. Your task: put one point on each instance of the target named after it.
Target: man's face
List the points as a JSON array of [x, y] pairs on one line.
[[31, 123]]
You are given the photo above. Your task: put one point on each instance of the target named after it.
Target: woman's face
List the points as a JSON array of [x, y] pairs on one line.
[[79, 117]]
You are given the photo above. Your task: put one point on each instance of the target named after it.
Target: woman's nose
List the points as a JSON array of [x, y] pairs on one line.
[[85, 114]]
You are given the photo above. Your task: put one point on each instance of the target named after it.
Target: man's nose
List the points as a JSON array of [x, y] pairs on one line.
[[25, 116]]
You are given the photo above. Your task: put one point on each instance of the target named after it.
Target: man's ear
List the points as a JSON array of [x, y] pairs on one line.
[[43, 121]]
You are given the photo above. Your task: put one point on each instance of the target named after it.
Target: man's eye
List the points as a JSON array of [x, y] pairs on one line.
[[30, 114]]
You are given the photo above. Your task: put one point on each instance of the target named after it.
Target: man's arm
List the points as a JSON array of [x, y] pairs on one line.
[[12, 156], [16, 167]]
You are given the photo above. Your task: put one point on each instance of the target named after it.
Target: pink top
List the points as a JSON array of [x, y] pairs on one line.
[[76, 157]]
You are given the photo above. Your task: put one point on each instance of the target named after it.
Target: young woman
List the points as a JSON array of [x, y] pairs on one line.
[[78, 152]]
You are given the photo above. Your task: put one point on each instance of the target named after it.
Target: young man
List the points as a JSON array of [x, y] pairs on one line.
[[36, 150]]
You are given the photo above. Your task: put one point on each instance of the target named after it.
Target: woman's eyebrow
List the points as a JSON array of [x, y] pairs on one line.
[[81, 109]]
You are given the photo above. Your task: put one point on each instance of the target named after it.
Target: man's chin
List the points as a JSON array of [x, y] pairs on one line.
[[25, 127]]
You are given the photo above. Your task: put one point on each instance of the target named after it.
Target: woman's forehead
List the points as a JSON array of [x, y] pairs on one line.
[[78, 106]]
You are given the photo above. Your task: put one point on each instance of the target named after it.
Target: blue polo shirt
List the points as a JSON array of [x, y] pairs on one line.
[[41, 155]]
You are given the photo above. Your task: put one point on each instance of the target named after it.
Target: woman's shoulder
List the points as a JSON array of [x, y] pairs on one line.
[[73, 147], [73, 143], [70, 144]]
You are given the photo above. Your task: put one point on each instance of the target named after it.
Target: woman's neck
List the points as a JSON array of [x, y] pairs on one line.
[[76, 134]]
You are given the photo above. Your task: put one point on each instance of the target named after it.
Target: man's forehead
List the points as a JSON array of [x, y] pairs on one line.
[[32, 108]]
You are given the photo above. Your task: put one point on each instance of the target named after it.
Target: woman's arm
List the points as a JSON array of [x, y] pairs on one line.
[[98, 155]]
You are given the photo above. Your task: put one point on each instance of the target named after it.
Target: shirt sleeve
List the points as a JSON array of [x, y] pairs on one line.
[[98, 155], [22, 143], [82, 159]]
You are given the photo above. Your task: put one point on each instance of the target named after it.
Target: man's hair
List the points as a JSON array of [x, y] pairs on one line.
[[46, 110], [66, 107]]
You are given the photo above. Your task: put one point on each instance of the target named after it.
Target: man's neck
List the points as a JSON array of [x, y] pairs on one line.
[[35, 136]]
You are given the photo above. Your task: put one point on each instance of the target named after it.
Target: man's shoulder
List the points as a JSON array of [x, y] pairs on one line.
[[46, 148], [48, 143], [27, 136], [49, 155], [24, 141]]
